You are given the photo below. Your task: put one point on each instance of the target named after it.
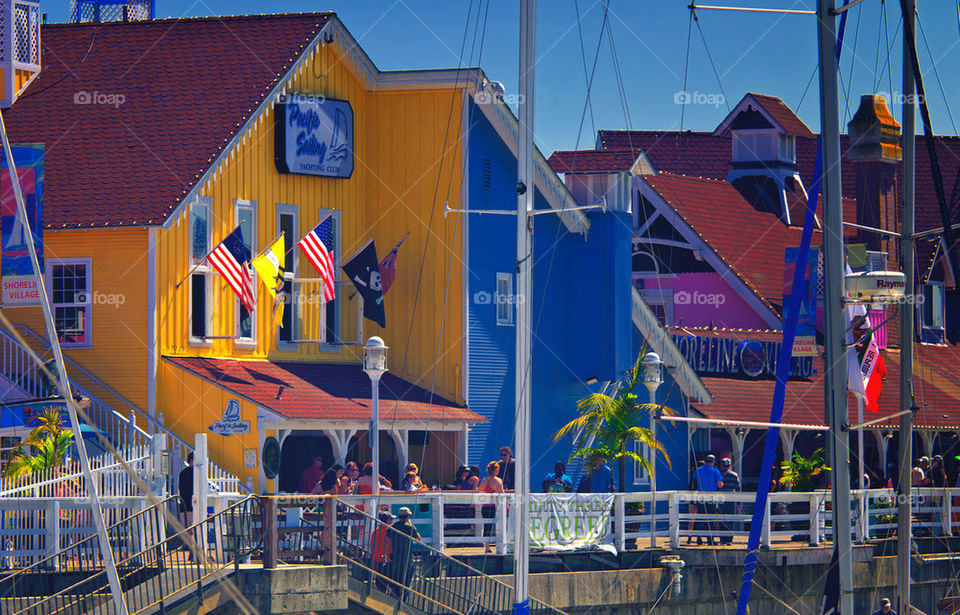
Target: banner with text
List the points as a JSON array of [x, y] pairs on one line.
[[565, 522], [19, 284]]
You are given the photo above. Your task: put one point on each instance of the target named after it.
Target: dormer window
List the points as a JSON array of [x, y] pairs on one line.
[[788, 148]]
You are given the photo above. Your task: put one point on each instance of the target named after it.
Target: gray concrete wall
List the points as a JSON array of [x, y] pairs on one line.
[[295, 589]]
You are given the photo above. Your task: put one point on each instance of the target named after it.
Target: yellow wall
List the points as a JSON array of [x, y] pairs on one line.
[[399, 143], [193, 404], [118, 356]]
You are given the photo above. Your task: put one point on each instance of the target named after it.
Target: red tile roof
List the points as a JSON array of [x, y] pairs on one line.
[[782, 114], [187, 86], [324, 391], [705, 155]]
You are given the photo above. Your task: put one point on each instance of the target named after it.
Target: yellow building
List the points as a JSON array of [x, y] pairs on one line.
[[160, 138]]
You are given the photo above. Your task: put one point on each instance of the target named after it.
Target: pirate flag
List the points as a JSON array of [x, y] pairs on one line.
[[363, 269]]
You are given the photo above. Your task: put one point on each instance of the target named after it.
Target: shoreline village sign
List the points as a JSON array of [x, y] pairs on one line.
[[314, 136], [564, 522], [19, 285], [230, 423], [749, 357]]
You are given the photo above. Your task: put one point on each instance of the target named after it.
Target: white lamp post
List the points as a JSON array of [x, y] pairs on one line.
[[652, 379], [374, 365]]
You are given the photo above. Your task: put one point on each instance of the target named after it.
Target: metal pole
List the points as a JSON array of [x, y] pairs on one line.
[[119, 604], [907, 244], [375, 435], [862, 501], [525, 192], [835, 389], [653, 471]]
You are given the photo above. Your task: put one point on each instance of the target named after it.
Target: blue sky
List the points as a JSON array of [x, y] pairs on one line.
[[766, 53]]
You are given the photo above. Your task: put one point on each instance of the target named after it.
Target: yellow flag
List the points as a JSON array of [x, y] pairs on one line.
[[270, 267]]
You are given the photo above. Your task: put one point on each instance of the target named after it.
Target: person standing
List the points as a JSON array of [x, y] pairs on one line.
[[507, 468], [406, 533], [730, 484], [884, 608], [381, 547], [311, 475], [601, 481], [185, 491], [490, 484], [709, 481]]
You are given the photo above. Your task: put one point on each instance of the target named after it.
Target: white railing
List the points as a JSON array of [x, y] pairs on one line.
[[66, 480]]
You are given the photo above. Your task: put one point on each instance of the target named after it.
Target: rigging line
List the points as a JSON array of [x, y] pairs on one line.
[[433, 208], [621, 89], [853, 60], [876, 61], [936, 73], [713, 65], [807, 89], [583, 58], [686, 68]]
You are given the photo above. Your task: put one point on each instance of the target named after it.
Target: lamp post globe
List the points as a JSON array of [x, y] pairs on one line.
[[374, 365], [652, 379]]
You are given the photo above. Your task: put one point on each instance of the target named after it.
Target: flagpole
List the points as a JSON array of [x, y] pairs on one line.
[[860, 469], [190, 273]]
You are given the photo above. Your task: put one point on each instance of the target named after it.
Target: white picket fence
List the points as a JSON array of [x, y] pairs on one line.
[[67, 479]]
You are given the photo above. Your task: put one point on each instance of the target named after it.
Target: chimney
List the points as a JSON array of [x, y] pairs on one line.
[[875, 151]]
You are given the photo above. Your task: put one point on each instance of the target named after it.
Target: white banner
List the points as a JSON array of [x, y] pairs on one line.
[[569, 521]]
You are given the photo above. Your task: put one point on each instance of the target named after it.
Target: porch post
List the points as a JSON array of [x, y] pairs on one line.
[[402, 439], [463, 446], [261, 438], [882, 446]]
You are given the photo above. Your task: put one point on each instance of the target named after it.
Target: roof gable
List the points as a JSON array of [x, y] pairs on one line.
[[748, 111], [133, 113]]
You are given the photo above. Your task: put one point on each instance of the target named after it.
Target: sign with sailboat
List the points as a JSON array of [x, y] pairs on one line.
[[314, 136], [19, 282]]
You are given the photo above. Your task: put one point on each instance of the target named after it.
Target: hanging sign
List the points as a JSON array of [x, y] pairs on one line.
[[805, 340], [230, 422], [314, 136], [19, 284], [569, 521]]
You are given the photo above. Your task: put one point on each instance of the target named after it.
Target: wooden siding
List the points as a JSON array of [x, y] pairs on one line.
[[407, 165], [118, 355], [191, 404]]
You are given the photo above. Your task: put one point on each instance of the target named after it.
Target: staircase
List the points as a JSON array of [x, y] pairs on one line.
[[156, 574], [20, 369]]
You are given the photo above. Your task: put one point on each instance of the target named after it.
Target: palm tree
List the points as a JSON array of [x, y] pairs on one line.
[[608, 425], [49, 443]]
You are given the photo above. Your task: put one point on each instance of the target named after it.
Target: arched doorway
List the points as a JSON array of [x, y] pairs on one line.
[[359, 450], [297, 452]]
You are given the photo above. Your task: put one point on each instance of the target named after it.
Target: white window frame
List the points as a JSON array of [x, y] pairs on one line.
[[201, 269], [943, 308], [293, 268], [251, 206], [87, 302], [640, 475], [499, 300], [325, 344]]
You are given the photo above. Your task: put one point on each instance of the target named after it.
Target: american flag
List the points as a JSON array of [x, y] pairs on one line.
[[315, 245], [230, 260]]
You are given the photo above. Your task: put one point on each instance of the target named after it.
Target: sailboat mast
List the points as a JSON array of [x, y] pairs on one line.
[[835, 390], [908, 252], [525, 192]]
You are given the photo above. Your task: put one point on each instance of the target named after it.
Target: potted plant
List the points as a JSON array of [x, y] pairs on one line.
[[803, 474]]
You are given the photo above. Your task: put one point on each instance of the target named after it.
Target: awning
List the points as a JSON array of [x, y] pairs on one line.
[[335, 392]]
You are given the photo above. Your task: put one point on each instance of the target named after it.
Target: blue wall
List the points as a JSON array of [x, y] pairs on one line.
[[581, 308]]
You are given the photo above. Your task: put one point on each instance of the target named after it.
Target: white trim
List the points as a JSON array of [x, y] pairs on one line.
[[87, 303], [247, 342], [713, 259], [339, 301], [289, 274], [465, 248], [152, 313], [740, 107], [509, 321]]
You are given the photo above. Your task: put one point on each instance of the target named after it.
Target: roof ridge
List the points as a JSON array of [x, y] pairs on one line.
[[193, 18]]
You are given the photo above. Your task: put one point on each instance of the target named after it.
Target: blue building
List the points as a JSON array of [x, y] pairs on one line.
[[587, 331]]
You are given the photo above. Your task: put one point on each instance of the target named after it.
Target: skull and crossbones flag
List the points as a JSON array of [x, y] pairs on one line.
[[363, 269]]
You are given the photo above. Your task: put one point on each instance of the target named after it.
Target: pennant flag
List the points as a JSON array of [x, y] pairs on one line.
[[318, 246], [865, 365], [364, 271], [270, 266], [230, 259], [388, 266]]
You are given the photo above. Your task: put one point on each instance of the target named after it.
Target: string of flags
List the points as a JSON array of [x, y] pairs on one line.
[[371, 277]]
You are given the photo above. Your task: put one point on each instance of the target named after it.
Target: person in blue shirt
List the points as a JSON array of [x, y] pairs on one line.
[[558, 481], [601, 481], [709, 480]]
